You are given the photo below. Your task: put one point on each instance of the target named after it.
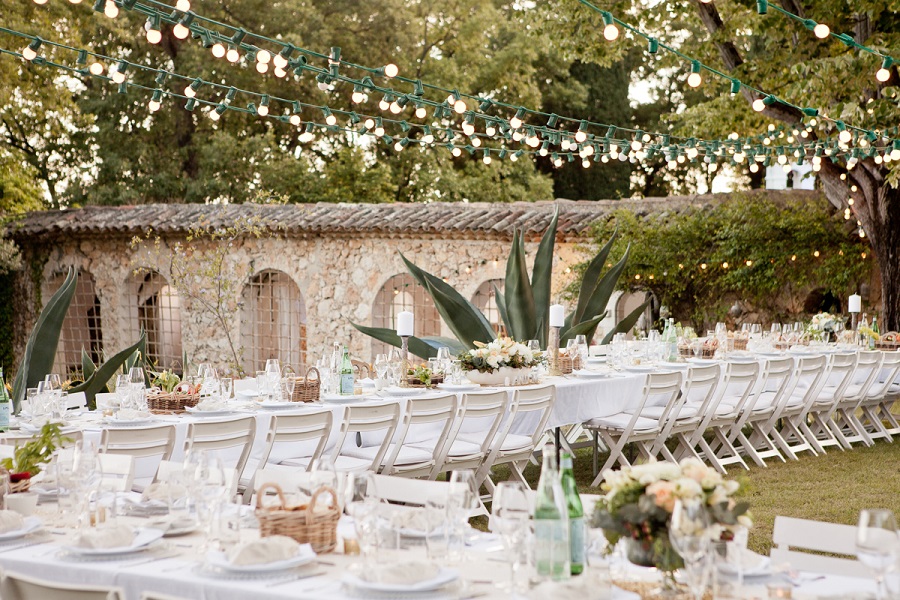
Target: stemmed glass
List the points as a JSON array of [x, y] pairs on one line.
[[689, 534], [138, 388], [462, 501], [443, 360], [582, 346], [382, 365], [510, 518], [273, 377], [877, 544], [207, 476]]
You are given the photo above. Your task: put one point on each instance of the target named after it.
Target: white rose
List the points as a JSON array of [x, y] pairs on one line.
[[731, 486], [718, 496], [711, 480], [686, 488]]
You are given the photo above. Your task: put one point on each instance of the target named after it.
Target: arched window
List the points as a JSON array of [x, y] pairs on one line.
[[155, 307], [399, 293], [485, 301], [81, 328], [273, 321]]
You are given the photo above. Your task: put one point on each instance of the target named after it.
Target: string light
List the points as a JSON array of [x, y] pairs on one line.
[[610, 31], [110, 9], [218, 50], [154, 35], [695, 79], [183, 5], [182, 28], [884, 73], [29, 53]]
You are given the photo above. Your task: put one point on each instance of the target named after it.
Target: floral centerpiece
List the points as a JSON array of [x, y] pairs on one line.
[[492, 363], [638, 502], [823, 322]]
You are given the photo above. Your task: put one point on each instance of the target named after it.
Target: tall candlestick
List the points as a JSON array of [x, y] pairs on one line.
[[404, 359], [553, 351], [405, 324]]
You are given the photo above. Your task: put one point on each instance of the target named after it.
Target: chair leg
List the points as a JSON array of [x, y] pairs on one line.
[[880, 430], [811, 438]]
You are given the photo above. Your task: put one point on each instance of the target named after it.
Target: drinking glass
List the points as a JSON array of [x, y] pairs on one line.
[[273, 377], [382, 365], [436, 531], [877, 544], [443, 359], [534, 345], [462, 501], [572, 349], [226, 387], [138, 389], [582, 346], [755, 330], [689, 534], [776, 328], [31, 395], [54, 380], [262, 385], [510, 518], [456, 372]]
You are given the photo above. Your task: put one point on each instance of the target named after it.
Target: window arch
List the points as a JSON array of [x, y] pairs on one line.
[[81, 327], [155, 307], [399, 293], [273, 321], [485, 301]]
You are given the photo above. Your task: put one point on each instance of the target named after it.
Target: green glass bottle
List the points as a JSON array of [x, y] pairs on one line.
[[346, 387], [4, 404], [551, 522], [576, 514]]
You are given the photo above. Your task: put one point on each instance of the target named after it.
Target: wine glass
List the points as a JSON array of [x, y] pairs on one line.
[[510, 518], [138, 388], [273, 377], [877, 544], [382, 365], [689, 534], [582, 346]]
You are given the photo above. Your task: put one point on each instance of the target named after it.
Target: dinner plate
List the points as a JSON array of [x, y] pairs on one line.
[[443, 577], [459, 387], [399, 391], [742, 359], [778, 354], [176, 528], [596, 359], [29, 525], [272, 405], [702, 361], [129, 422], [145, 536], [586, 374], [342, 399], [193, 410], [219, 560], [640, 368], [249, 394]]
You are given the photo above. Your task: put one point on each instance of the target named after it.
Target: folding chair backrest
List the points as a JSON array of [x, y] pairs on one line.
[[812, 372], [890, 367], [664, 389], [139, 442], [868, 367], [738, 384], [303, 427], [842, 367], [405, 490], [364, 418], [534, 399], [104, 399], [76, 401], [777, 377], [223, 435], [816, 536], [21, 587], [701, 383], [118, 472], [424, 411]]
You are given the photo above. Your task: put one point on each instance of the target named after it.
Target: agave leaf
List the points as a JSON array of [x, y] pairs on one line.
[[436, 341], [518, 293], [87, 365], [501, 307], [459, 314], [97, 381], [585, 328], [600, 297], [417, 346], [541, 276], [625, 325], [591, 277], [40, 350]]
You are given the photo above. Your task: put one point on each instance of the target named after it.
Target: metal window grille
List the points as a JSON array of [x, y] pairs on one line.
[[399, 293], [485, 301], [155, 307], [81, 327], [273, 321]]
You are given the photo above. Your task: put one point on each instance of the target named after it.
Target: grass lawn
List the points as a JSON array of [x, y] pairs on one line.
[[833, 487]]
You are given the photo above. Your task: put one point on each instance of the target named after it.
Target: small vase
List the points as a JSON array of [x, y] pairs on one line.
[[661, 556]]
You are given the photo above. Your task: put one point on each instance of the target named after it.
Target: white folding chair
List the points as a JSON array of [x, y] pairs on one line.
[[409, 455], [405, 490], [469, 442], [118, 472], [699, 391], [311, 427], [76, 401], [844, 420], [793, 410], [14, 586], [816, 428], [777, 380], [533, 403], [875, 407], [661, 394], [796, 540], [364, 419], [153, 443], [225, 438]]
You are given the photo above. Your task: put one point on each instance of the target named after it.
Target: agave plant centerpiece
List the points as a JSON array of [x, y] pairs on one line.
[[524, 304]]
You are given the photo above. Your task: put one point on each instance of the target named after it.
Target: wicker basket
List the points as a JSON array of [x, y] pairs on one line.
[[889, 341], [23, 485], [160, 402], [567, 364], [306, 389], [318, 529]]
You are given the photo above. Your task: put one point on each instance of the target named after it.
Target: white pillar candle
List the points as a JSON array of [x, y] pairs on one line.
[[405, 324], [854, 303], [557, 315]]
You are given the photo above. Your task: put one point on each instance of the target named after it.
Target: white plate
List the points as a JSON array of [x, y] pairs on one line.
[[129, 422], [209, 413], [702, 361], [249, 394], [674, 365], [596, 359], [742, 359], [778, 354], [341, 399], [305, 555], [399, 391], [443, 577], [279, 405], [459, 387], [144, 537], [176, 528], [640, 368], [586, 374], [29, 525]]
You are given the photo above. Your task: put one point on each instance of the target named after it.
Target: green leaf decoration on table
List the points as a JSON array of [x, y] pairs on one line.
[[40, 350], [96, 383], [524, 304]]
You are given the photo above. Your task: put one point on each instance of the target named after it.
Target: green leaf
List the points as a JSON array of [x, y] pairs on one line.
[[97, 381], [542, 275], [518, 293], [602, 293], [436, 341], [40, 350], [590, 278], [585, 328], [501, 307], [87, 365], [417, 346], [625, 325]]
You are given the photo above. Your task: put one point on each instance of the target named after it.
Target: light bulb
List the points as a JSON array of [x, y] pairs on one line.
[[262, 111], [96, 68], [821, 30], [459, 106], [218, 50], [895, 154], [261, 67], [533, 141], [29, 54], [280, 61], [279, 72], [713, 167], [111, 10], [395, 108], [40, 1], [782, 159], [421, 113], [370, 123], [295, 120], [585, 163], [587, 150], [456, 152], [542, 152], [754, 168], [580, 136], [557, 163], [636, 145], [564, 144], [306, 137], [189, 92], [391, 70], [154, 36], [759, 105], [786, 168], [323, 86], [384, 104], [428, 138], [214, 115], [487, 159], [356, 97], [330, 120], [513, 157], [75, 1], [468, 128], [694, 80], [517, 136], [379, 131], [183, 5], [490, 130], [180, 31], [232, 55], [398, 147], [476, 142], [515, 122], [883, 74], [845, 136], [263, 56], [118, 77], [610, 32], [153, 105]]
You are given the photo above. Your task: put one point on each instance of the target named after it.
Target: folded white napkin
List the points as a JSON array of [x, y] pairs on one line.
[[161, 490], [119, 536], [212, 404], [10, 520], [413, 519], [577, 588], [129, 414], [265, 550], [407, 573]]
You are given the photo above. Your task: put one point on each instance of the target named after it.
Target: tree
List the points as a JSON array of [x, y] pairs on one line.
[[778, 55]]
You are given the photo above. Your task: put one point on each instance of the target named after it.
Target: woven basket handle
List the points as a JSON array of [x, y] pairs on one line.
[[260, 494], [310, 370], [322, 490]]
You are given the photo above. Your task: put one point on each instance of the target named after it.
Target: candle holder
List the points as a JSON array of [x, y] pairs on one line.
[[853, 317], [553, 353], [404, 361]]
